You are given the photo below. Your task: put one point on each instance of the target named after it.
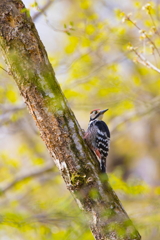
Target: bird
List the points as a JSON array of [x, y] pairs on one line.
[[97, 137]]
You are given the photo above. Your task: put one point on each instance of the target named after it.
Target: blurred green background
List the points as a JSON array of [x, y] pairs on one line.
[[93, 46]]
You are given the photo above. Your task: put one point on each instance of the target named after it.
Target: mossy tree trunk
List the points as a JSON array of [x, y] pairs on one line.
[[28, 63]]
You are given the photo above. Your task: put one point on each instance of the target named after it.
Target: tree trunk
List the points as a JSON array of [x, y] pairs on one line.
[[29, 65]]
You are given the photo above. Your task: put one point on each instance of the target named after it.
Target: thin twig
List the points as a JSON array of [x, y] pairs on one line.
[[154, 105], [92, 73], [5, 70], [141, 59], [42, 10], [157, 32], [128, 19]]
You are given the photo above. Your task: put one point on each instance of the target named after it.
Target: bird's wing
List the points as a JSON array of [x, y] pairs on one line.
[[102, 138], [102, 127]]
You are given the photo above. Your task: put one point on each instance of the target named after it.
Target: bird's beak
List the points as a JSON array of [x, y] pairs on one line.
[[103, 111]]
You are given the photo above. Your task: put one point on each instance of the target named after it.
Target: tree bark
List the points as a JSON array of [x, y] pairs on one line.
[[29, 65]]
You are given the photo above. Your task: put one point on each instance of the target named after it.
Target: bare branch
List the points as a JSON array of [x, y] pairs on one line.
[[33, 173], [8, 112]]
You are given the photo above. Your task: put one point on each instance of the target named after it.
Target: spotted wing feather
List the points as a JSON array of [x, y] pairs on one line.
[[102, 142]]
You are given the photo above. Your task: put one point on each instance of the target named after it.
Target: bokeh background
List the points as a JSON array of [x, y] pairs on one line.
[[93, 46]]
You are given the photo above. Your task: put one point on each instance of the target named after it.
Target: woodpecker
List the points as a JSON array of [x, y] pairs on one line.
[[98, 137]]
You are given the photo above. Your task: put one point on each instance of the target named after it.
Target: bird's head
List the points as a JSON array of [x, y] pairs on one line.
[[97, 114]]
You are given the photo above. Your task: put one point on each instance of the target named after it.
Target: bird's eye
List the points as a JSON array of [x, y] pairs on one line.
[[95, 112]]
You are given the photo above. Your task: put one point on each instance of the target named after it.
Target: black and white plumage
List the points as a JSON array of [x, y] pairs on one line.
[[98, 137]]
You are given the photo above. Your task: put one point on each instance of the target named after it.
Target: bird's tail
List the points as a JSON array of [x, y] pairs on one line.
[[103, 165]]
